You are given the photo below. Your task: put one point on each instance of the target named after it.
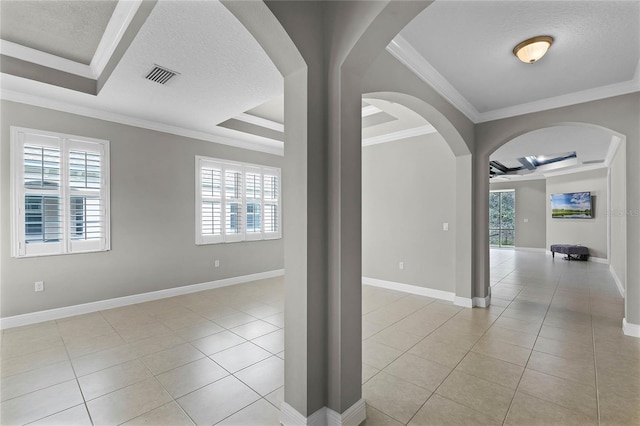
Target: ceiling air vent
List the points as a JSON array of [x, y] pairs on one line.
[[160, 74]]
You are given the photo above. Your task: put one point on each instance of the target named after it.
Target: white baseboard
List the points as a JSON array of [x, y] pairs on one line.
[[482, 302], [408, 288], [465, 302], [353, 416], [598, 260], [85, 308], [629, 329], [532, 249], [617, 280]]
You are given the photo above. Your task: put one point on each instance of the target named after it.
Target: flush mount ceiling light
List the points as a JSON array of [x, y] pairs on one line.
[[530, 50]]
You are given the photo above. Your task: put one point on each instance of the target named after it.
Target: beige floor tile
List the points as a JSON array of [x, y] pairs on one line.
[[512, 337], [617, 411], [254, 329], [566, 335], [265, 376], [134, 332], [528, 410], [76, 416], [260, 413], [81, 346], [113, 378], [504, 351], [24, 363], [217, 342], [19, 344], [40, 404], [180, 318], [418, 371], [393, 396], [151, 345], [239, 357], [461, 339], [368, 372], [626, 385], [276, 398], [489, 398], [88, 325], [577, 370], [234, 320], [444, 353], [199, 330], [378, 355], [378, 418], [531, 327], [569, 350], [273, 342], [491, 369], [217, 401], [262, 311], [444, 412], [568, 394], [277, 319], [127, 403], [91, 363], [370, 328], [396, 338], [168, 414], [171, 358], [187, 378], [23, 383]]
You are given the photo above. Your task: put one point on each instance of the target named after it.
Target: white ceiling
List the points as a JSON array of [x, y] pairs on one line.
[[462, 49]]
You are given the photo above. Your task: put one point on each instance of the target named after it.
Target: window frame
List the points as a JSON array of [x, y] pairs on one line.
[[243, 168], [65, 143]]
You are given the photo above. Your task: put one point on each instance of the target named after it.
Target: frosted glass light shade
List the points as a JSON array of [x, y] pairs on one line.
[[529, 51]]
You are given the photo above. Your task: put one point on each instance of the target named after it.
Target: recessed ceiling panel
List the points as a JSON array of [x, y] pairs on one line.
[[69, 29], [597, 43]]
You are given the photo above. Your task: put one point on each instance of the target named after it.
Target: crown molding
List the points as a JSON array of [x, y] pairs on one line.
[[402, 134], [120, 19], [404, 52], [574, 98], [221, 135], [259, 121], [48, 60], [370, 110]]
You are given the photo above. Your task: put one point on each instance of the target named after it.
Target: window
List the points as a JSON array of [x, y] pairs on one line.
[[236, 202], [60, 199]]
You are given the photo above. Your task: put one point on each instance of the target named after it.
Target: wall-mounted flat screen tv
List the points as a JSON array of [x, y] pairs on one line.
[[572, 205]]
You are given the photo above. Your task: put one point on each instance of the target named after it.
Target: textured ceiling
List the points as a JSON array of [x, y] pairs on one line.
[[69, 29], [597, 43], [223, 70]]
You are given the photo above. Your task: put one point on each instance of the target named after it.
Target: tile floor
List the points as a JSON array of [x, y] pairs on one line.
[[548, 351]]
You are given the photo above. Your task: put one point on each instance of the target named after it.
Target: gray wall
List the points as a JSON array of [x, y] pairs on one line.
[[152, 220], [617, 214], [587, 232], [530, 205], [408, 192]]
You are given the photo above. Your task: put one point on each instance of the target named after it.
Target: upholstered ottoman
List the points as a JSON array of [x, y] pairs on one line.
[[581, 252]]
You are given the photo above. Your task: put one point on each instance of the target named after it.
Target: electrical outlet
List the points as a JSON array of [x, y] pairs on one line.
[[401, 265], [39, 285], [216, 263], [526, 221], [445, 226]]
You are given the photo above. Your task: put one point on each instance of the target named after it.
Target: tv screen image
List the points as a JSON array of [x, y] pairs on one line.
[[572, 205]]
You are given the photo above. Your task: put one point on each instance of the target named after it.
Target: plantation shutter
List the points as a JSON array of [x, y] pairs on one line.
[[271, 202], [210, 194], [253, 202], [87, 197], [233, 203]]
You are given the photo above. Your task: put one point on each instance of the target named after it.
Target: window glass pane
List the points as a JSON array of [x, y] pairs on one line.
[[254, 220], [41, 167], [233, 218], [211, 180], [86, 218], [84, 170], [232, 184], [43, 221], [270, 217], [211, 218]]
